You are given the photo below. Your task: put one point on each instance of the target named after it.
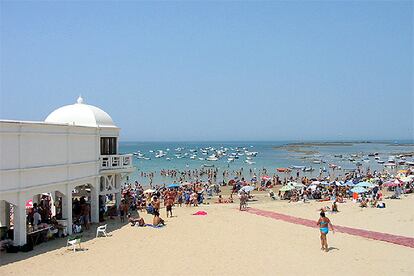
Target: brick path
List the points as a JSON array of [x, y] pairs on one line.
[[400, 240]]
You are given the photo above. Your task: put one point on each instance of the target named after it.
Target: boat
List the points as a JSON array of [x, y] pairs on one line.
[[298, 167], [168, 159], [308, 169], [250, 162], [212, 158], [208, 165], [230, 159], [380, 161], [201, 158], [283, 170], [333, 166]]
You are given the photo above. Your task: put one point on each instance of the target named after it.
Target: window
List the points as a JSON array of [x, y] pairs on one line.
[[108, 145]]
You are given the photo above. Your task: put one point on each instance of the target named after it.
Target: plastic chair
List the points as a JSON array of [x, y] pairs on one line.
[[73, 242], [101, 229]]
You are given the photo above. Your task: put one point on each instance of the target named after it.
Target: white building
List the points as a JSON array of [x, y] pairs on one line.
[[76, 146]]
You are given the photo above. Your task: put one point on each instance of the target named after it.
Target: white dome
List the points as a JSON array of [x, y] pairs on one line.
[[80, 114]]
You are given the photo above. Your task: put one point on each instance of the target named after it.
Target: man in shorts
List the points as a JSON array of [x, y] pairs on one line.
[[168, 205]]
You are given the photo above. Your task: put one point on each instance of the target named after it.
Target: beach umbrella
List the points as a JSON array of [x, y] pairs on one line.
[[406, 179], [247, 189], [286, 188], [391, 184], [296, 185], [365, 184], [174, 185], [149, 191], [266, 178], [349, 183], [359, 190]]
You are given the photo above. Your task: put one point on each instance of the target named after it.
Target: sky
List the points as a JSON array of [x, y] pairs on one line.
[[203, 71]]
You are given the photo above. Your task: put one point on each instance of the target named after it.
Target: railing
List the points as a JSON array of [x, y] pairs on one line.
[[113, 162]]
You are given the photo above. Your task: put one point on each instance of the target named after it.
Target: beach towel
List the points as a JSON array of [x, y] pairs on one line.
[[151, 225], [200, 213]]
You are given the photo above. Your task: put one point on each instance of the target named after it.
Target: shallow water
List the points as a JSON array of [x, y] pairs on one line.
[[271, 155]]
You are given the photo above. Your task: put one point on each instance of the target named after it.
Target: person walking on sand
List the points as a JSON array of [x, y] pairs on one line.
[[323, 224], [168, 205]]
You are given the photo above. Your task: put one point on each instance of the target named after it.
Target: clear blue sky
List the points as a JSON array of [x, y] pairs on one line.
[[215, 71]]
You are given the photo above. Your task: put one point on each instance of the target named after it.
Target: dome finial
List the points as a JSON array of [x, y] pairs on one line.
[[80, 100]]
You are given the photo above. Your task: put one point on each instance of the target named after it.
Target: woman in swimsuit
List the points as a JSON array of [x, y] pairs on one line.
[[324, 223]]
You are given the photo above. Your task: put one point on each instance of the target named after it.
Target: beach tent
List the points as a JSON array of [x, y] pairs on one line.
[[174, 185], [149, 191], [286, 188], [359, 190]]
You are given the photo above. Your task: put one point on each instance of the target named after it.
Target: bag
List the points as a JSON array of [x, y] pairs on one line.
[[26, 248], [12, 249]]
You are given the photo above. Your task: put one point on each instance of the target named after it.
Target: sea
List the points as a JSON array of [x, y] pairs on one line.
[[270, 155]]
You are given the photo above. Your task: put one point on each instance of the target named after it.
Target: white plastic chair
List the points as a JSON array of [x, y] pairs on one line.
[[73, 242], [101, 229]]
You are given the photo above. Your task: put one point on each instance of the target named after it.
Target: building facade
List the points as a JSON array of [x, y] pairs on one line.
[[75, 148]]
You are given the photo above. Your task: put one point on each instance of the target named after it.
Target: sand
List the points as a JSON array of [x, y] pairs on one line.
[[230, 242]]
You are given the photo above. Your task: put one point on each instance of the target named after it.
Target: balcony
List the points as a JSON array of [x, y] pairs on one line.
[[116, 162]]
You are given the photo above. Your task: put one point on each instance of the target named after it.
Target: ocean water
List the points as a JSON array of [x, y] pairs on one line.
[[271, 155]]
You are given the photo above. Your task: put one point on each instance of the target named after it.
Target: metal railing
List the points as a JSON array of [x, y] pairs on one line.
[[118, 161]]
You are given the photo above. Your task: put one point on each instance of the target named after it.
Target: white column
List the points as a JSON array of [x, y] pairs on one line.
[[4, 213], [67, 208], [117, 199], [95, 201], [19, 221]]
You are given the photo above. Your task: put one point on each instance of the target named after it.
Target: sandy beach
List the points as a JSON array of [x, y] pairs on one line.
[[230, 242]]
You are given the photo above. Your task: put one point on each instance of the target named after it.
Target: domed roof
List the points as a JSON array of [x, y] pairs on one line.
[[80, 114]]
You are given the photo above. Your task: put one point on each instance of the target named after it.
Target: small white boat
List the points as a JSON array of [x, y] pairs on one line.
[[298, 167], [212, 158], [250, 162]]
